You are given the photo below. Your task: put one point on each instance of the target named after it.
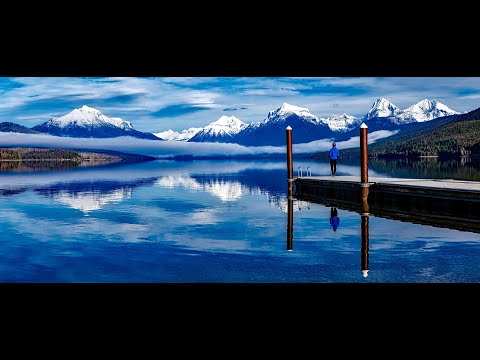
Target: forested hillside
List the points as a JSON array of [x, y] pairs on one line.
[[455, 139], [39, 154]]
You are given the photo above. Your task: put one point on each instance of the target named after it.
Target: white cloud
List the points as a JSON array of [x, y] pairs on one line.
[[325, 144], [271, 92], [172, 148]]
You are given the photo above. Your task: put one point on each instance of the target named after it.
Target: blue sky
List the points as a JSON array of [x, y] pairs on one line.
[[158, 104]]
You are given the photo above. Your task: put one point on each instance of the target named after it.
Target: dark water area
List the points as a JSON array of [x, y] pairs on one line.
[[216, 221], [429, 168]]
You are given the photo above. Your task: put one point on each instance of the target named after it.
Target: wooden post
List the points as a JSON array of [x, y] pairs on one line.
[[289, 161], [364, 153], [290, 189], [365, 207]]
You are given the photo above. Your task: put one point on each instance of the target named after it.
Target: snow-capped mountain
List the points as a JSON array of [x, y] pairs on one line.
[[426, 110], [271, 131], [171, 135], [88, 117], [342, 123], [286, 110], [90, 122], [222, 130], [382, 108]]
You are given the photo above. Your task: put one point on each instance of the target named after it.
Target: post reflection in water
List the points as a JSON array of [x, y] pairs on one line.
[[365, 213], [365, 245], [365, 227], [290, 219]]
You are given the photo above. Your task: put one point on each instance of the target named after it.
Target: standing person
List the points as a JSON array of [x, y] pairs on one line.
[[334, 219], [333, 154]]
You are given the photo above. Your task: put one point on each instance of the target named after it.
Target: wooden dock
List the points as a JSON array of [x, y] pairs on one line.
[[439, 187], [438, 202]]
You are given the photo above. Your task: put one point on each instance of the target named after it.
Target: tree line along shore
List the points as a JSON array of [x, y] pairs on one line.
[[35, 154]]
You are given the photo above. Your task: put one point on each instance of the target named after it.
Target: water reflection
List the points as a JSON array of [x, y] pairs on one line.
[[334, 219], [169, 222], [465, 168], [90, 196], [364, 248], [290, 224], [91, 190], [223, 189], [87, 201], [335, 222], [365, 213]]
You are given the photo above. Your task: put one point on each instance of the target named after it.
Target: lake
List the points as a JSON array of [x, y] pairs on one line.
[[216, 221]]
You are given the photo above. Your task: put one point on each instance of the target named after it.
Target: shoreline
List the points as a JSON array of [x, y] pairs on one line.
[[72, 160], [62, 160]]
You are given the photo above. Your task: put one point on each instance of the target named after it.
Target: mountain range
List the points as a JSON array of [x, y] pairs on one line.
[[91, 123], [308, 127], [446, 136]]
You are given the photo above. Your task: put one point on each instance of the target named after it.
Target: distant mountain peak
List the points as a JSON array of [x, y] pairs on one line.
[[185, 135], [382, 108], [286, 107], [86, 108], [341, 123], [287, 110], [89, 117], [227, 121], [426, 102], [221, 130], [382, 100], [228, 124], [90, 122], [426, 110]]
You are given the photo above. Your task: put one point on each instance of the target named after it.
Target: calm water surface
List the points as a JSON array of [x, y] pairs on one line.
[[214, 221]]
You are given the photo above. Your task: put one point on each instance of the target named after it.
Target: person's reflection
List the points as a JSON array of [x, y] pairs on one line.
[[334, 219]]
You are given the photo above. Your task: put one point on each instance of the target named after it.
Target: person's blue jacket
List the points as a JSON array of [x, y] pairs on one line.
[[334, 153]]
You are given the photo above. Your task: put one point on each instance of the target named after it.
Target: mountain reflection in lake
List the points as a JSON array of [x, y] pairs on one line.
[[209, 221]]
